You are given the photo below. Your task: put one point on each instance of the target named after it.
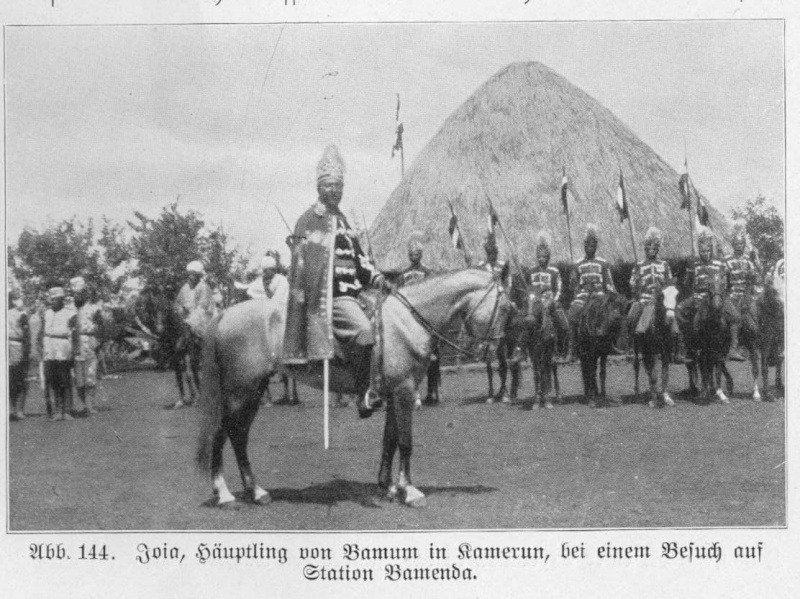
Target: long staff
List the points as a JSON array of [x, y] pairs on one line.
[[508, 244], [325, 363]]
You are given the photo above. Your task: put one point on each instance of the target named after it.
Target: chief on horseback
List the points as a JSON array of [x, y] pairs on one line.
[[649, 277], [329, 270], [590, 276], [700, 274], [743, 276]]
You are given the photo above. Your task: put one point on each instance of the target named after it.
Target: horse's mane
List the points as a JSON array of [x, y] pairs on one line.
[[423, 287]]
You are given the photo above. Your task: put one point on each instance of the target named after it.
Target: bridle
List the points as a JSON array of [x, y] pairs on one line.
[[433, 332]]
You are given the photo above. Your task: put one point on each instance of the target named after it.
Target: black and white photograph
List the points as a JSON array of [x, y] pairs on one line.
[[384, 277]]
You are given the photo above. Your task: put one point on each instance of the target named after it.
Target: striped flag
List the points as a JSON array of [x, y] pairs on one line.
[[565, 193], [452, 229], [683, 186], [622, 200], [703, 216]]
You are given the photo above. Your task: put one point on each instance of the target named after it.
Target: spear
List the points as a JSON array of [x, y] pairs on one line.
[[495, 218]]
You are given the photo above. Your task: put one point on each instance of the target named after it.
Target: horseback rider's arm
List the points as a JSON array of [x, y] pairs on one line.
[[635, 281], [608, 281], [557, 286]]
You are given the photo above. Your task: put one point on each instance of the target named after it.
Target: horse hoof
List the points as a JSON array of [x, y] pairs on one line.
[[652, 404], [392, 493], [178, 405], [415, 498], [592, 404], [264, 499], [490, 400], [668, 401], [228, 505], [505, 399], [548, 405], [535, 406]]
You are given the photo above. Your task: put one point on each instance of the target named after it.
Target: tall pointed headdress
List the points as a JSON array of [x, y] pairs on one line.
[[542, 243], [653, 235], [592, 233], [331, 165]]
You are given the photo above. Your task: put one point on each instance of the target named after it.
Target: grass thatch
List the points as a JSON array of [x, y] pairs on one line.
[[509, 141]]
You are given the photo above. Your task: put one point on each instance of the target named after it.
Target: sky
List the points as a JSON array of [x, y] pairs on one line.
[[231, 120]]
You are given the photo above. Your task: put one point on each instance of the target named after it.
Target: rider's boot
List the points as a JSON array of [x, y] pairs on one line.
[[679, 355], [367, 400], [734, 351]]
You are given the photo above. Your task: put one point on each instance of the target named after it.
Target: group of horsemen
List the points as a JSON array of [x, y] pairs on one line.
[[324, 246], [323, 314]]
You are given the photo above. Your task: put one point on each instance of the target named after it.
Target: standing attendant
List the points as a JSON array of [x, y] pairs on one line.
[[89, 326], [743, 277], [19, 351], [329, 270], [56, 344], [590, 276], [416, 271], [195, 299]]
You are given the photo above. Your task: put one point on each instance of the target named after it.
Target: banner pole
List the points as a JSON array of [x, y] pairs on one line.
[[325, 401]]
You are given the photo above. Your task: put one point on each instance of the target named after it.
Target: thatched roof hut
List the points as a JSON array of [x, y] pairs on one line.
[[509, 141]]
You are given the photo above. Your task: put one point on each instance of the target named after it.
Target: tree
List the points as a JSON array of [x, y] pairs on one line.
[[223, 265], [49, 258], [165, 245], [764, 226], [116, 248]]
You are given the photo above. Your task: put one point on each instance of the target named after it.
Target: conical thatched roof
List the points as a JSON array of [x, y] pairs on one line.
[[509, 141]]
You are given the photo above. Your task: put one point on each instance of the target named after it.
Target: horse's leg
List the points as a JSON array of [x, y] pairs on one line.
[[718, 371], [652, 379], [222, 494], [603, 359], [404, 411], [285, 381], [266, 396], [548, 373], [666, 358], [755, 358], [502, 369], [490, 375], [779, 375], [237, 426], [556, 384], [636, 368], [389, 449], [179, 379], [536, 361], [296, 398]]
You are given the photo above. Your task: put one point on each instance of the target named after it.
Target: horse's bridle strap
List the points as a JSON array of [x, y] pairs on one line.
[[429, 327]]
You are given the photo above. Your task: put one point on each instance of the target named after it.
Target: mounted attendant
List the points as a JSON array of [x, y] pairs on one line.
[[501, 275], [743, 276], [651, 319], [704, 269], [590, 276], [416, 271]]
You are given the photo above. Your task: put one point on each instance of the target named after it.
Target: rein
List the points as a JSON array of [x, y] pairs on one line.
[[430, 328]]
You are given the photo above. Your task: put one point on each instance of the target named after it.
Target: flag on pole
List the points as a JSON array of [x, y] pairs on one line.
[[492, 219], [622, 200], [398, 144], [702, 213], [703, 216], [683, 186], [455, 234], [565, 192]]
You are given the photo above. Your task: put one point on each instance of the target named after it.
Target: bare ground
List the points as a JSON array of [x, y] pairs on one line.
[[481, 466]]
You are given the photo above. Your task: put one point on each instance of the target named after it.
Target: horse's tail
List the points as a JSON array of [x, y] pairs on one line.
[[211, 399]]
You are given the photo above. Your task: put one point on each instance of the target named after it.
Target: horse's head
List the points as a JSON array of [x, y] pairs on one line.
[[717, 284], [486, 312]]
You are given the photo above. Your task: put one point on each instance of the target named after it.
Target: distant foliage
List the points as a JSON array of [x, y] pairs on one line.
[[165, 245], [765, 227], [51, 257]]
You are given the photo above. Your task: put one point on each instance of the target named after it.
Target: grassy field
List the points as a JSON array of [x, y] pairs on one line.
[[482, 466]]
